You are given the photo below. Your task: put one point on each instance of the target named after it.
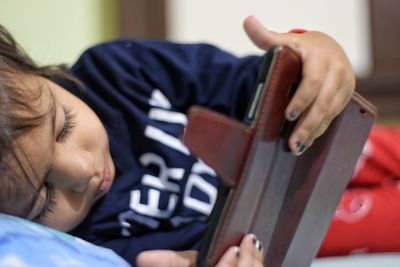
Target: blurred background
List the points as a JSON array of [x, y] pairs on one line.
[[58, 31]]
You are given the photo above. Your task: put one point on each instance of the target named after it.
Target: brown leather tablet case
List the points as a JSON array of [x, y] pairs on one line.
[[286, 200]]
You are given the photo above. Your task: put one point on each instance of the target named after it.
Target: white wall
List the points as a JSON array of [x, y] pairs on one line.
[[220, 22]]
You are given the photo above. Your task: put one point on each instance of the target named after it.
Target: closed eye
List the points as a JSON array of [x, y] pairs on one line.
[[68, 125], [49, 202]]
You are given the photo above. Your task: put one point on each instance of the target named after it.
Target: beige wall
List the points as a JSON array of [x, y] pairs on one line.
[[57, 31], [220, 22]]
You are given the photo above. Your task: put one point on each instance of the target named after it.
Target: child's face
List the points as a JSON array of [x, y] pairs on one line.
[[70, 154]]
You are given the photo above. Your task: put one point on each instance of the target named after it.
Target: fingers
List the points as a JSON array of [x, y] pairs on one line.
[[317, 106], [309, 88], [314, 100], [265, 39], [326, 88], [166, 258], [327, 80], [230, 257], [260, 35], [250, 252], [337, 106]]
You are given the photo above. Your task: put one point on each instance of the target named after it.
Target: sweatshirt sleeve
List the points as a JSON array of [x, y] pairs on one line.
[[187, 74]]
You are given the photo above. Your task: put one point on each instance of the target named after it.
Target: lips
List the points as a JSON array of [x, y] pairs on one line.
[[105, 183]]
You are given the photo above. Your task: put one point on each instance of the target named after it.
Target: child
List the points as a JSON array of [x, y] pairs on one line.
[[105, 162]]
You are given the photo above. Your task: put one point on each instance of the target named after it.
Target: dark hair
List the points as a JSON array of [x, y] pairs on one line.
[[18, 116]]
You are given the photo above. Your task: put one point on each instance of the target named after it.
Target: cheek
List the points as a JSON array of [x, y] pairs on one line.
[[89, 125], [65, 217]]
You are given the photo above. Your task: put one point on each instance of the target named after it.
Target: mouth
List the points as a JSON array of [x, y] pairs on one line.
[[105, 182]]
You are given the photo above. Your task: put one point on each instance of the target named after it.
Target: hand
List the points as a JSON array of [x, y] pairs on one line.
[[327, 81], [248, 254]]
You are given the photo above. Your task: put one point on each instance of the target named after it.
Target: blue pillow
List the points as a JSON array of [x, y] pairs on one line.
[[24, 243]]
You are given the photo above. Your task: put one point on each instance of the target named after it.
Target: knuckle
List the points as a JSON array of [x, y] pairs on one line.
[[352, 80], [303, 133], [315, 80], [322, 129], [321, 109], [295, 43], [351, 83], [300, 101], [344, 70], [334, 113], [264, 44], [328, 120], [339, 67]]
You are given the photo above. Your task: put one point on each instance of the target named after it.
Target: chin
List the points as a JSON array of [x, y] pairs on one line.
[[66, 224], [65, 227]]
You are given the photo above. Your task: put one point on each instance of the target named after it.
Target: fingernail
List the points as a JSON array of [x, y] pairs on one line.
[[259, 245], [300, 148], [292, 116], [237, 252]]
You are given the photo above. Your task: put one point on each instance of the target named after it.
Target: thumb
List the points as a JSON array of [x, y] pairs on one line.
[[259, 34], [166, 258]]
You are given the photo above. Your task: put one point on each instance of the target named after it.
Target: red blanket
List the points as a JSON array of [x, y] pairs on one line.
[[368, 216]]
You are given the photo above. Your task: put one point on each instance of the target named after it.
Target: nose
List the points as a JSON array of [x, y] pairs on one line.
[[84, 170], [73, 171]]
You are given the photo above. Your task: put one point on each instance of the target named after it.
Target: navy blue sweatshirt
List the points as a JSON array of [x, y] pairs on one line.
[[162, 195]]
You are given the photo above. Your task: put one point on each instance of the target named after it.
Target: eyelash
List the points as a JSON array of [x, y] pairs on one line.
[[49, 202], [68, 124]]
